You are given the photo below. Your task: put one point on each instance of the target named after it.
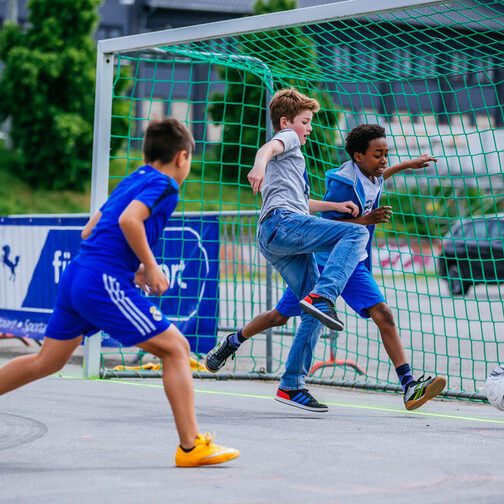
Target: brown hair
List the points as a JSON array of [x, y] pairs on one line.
[[289, 103], [163, 139]]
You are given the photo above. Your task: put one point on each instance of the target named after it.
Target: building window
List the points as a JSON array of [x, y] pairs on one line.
[[152, 110], [107, 31], [181, 110]]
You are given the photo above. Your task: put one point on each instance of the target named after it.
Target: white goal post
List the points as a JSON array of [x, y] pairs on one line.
[[108, 49]]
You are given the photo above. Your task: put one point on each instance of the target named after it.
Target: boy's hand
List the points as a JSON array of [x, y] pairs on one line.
[[141, 279], [377, 216], [347, 207], [156, 280], [256, 177], [421, 162]]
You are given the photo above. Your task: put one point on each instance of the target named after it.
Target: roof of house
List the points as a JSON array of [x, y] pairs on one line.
[[227, 6], [470, 13]]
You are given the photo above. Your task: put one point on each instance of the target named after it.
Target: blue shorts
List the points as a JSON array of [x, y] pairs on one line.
[[90, 300], [360, 293]]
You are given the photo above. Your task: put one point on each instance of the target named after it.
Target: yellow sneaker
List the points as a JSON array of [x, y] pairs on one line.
[[205, 452]]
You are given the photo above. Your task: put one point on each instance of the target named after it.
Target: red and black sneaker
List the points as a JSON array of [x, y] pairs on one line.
[[300, 399], [322, 309]]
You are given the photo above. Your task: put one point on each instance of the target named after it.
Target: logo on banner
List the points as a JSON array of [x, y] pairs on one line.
[[173, 273], [186, 269], [12, 265], [61, 259]]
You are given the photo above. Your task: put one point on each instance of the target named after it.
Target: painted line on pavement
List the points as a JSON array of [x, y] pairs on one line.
[[331, 403]]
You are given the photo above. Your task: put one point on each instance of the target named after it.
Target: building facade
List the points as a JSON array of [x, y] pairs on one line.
[[440, 97]]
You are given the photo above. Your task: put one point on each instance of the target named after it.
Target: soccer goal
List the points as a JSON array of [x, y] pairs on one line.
[[431, 73]]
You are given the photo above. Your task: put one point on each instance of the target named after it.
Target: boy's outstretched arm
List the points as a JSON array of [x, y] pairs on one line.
[[131, 222], [420, 162], [90, 225], [264, 154], [333, 206]]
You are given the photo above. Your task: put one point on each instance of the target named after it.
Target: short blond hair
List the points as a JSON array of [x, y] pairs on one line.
[[289, 103]]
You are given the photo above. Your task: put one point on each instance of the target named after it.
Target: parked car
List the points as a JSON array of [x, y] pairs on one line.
[[473, 252]]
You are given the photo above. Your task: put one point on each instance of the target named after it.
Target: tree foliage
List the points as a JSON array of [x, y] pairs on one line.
[[242, 108], [47, 88]]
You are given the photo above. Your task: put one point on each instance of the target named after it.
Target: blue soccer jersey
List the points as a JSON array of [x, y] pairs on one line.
[[97, 290], [107, 247]]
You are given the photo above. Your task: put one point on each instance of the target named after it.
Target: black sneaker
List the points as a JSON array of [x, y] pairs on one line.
[[322, 309], [301, 399], [420, 392], [219, 354]]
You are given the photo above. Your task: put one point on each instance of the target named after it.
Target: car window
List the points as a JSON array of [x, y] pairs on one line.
[[495, 230], [456, 231], [481, 229], [469, 233], [476, 230]]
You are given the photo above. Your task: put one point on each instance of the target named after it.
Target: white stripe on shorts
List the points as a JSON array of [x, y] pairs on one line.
[[140, 313], [130, 307], [124, 304], [133, 309]]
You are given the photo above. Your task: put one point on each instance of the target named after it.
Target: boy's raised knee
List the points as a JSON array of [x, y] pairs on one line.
[[361, 233], [182, 346], [49, 367], [357, 233], [275, 319], [382, 315], [178, 348], [169, 343]]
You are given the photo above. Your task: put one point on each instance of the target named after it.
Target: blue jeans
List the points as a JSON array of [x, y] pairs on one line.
[[288, 241]]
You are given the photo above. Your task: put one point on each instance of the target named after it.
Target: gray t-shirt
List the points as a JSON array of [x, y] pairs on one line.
[[285, 183]]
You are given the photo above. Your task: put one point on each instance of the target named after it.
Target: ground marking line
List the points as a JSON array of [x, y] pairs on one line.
[[331, 403]]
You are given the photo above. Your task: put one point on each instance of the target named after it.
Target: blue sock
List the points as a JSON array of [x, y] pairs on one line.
[[236, 339], [405, 376]]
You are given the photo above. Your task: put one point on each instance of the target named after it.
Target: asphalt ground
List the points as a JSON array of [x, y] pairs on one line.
[[65, 439]]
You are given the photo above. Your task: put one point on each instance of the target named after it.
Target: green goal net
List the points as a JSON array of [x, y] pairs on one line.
[[433, 76]]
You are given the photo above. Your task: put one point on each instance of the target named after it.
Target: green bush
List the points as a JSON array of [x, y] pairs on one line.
[[47, 88]]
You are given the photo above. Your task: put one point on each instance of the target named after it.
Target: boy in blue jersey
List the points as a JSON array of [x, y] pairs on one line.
[[97, 290], [359, 180], [288, 236]]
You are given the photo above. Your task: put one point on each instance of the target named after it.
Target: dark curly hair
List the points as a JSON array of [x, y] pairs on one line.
[[358, 139]]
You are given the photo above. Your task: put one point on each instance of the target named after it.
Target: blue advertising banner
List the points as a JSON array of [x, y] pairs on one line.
[[188, 254], [36, 250]]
